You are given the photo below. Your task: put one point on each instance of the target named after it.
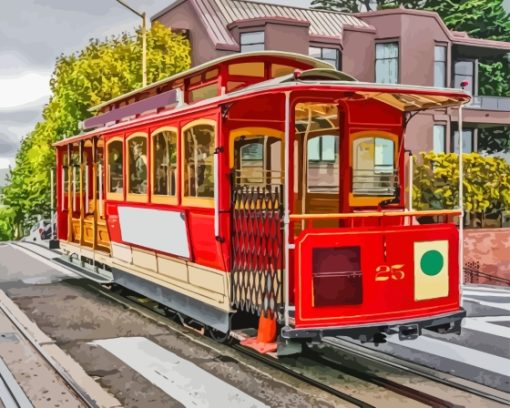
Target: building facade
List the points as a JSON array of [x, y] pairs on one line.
[[390, 46]]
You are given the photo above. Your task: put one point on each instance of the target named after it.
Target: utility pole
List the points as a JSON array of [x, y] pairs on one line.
[[144, 40]]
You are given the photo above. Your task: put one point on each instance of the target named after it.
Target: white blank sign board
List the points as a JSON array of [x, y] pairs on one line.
[[162, 230]]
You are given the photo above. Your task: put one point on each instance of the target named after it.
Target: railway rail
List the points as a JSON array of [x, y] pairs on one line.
[[292, 368], [360, 351], [19, 399]]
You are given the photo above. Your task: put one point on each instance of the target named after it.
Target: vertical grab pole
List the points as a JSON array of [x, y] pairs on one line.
[[100, 190], [52, 198], [286, 191], [216, 172], [461, 207], [411, 175]]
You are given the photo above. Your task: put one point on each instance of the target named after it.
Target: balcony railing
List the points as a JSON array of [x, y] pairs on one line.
[[497, 103]]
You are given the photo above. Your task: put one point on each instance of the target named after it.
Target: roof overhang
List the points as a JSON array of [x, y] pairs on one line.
[[402, 97], [409, 101], [477, 48]]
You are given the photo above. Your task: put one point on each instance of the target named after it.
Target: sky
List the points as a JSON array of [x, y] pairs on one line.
[[33, 33]]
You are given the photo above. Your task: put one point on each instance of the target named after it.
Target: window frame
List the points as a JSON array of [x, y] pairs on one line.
[[110, 195], [386, 42], [443, 125], [370, 201], [338, 59], [159, 198], [134, 197], [206, 202], [471, 140], [263, 32], [470, 78], [444, 64]]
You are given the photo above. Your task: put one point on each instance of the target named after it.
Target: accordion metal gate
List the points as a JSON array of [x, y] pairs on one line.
[[257, 248]]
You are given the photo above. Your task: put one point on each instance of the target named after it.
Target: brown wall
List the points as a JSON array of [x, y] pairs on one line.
[[417, 36], [202, 47], [358, 54], [284, 37], [489, 250]]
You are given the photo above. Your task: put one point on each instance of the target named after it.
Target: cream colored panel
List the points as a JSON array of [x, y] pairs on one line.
[[207, 279], [144, 259], [210, 297], [121, 252], [173, 269]]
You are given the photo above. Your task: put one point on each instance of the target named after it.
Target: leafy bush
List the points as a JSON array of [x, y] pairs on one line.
[[486, 183]]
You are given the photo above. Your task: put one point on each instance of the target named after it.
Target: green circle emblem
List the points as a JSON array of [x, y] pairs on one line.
[[432, 262]]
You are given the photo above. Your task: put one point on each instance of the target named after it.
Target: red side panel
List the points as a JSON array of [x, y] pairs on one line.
[[371, 277], [112, 216]]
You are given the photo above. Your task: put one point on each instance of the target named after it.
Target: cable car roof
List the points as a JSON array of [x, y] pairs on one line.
[[313, 62], [405, 98]]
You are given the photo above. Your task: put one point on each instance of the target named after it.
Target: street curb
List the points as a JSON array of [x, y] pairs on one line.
[[59, 357]]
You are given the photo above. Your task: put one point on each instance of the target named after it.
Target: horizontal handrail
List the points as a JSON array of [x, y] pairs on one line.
[[372, 214]]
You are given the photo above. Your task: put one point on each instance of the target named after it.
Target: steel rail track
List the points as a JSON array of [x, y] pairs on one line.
[[306, 379], [390, 385], [384, 360], [68, 380], [160, 317]]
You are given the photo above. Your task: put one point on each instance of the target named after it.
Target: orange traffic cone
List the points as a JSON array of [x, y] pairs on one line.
[[267, 328]]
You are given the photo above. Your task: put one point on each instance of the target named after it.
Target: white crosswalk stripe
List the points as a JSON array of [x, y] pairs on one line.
[[177, 377]]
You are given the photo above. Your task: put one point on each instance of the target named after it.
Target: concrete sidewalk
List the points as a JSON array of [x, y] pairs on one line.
[[28, 377]]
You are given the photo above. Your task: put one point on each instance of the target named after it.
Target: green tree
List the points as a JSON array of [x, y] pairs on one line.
[[356, 6], [101, 71], [486, 183], [6, 224]]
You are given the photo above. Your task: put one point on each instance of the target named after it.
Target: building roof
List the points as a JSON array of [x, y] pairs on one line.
[[217, 15], [456, 37]]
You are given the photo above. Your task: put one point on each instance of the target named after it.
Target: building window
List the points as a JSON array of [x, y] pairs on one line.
[[440, 66], [464, 71], [252, 41], [115, 179], [198, 161], [439, 139], [386, 63], [137, 165], [467, 141], [164, 159], [329, 55]]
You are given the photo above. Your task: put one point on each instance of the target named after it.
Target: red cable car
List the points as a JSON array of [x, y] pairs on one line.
[[263, 184]]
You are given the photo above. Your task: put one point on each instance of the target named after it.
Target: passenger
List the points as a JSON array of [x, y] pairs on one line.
[[115, 164], [161, 165], [139, 175]]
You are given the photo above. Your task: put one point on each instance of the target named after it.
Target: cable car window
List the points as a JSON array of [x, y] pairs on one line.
[[204, 92], [323, 164], [137, 168], [198, 161], [115, 179], [164, 153], [373, 166], [258, 160], [317, 125]]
